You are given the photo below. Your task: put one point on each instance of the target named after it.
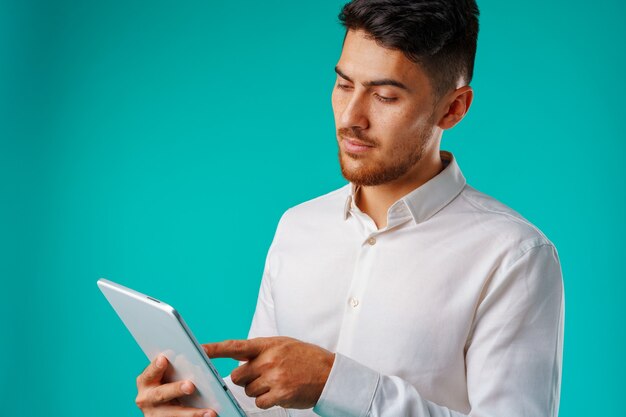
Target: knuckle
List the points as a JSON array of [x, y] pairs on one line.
[[158, 395], [281, 373], [236, 345], [277, 376], [145, 377], [264, 366], [140, 401], [267, 362], [287, 348], [278, 356]]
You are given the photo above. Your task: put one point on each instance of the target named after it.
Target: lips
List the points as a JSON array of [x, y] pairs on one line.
[[355, 146]]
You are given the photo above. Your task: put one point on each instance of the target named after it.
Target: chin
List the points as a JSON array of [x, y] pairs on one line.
[[357, 174]]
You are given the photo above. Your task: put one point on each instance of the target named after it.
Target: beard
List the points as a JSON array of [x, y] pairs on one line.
[[365, 170]]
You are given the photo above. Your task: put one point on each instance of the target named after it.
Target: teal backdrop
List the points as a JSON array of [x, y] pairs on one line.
[[157, 143]]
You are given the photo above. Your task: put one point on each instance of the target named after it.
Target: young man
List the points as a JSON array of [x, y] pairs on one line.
[[406, 292]]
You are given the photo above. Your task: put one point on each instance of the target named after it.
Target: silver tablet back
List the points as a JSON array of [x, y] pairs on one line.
[[158, 328]]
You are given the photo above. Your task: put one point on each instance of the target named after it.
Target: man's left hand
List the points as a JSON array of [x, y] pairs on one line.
[[278, 370]]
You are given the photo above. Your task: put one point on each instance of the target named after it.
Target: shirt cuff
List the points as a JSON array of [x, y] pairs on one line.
[[349, 390]]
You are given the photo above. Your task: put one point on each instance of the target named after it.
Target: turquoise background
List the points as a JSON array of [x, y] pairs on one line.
[[157, 144]]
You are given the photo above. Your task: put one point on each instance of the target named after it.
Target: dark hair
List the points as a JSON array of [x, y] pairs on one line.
[[439, 35]]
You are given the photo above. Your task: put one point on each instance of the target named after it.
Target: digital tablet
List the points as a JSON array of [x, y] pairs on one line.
[[159, 329]]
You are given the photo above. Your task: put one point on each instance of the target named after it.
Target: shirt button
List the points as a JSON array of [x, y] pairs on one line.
[[354, 302], [371, 241]]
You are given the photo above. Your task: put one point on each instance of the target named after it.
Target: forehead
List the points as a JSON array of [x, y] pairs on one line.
[[362, 59]]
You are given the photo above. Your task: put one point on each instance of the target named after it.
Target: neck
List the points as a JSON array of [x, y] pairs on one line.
[[375, 200]]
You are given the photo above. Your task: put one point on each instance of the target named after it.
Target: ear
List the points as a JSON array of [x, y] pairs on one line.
[[455, 106]]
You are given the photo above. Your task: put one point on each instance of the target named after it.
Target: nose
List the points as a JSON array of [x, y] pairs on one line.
[[354, 115]]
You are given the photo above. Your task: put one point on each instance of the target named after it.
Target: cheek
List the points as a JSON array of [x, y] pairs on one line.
[[391, 122], [400, 130], [390, 116]]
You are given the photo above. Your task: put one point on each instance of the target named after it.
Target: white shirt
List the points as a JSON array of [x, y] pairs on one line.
[[454, 308]]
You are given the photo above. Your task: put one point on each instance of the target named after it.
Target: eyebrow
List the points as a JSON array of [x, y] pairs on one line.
[[374, 83]]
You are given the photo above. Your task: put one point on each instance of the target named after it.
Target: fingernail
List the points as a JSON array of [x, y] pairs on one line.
[[187, 387], [207, 415]]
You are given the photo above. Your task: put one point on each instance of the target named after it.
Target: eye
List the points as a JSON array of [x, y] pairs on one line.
[[344, 86], [385, 99]]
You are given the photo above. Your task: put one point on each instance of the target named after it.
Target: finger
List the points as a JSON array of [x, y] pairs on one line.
[[241, 350], [256, 388], [168, 392], [153, 372], [244, 374]]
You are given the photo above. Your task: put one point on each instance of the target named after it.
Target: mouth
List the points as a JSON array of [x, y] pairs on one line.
[[352, 145]]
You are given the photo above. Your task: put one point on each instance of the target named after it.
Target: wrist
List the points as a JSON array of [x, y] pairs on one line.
[[326, 363]]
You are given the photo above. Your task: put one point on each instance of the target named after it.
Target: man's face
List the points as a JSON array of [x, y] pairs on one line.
[[384, 109]]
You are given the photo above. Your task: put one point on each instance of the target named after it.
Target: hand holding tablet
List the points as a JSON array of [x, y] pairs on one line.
[[160, 330], [156, 398]]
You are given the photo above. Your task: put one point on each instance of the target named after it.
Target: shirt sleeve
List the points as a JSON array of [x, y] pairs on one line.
[[264, 319], [263, 325], [513, 354]]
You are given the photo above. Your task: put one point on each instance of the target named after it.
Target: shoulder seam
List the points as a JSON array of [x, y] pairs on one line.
[[518, 220], [528, 249]]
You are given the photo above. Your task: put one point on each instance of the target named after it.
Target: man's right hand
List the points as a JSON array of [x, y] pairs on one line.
[[159, 400]]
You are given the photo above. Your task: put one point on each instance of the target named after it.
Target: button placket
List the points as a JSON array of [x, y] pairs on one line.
[[363, 269]]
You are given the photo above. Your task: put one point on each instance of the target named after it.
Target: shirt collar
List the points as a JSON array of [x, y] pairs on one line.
[[427, 199]]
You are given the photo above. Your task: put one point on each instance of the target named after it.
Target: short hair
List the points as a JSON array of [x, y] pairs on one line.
[[438, 35]]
